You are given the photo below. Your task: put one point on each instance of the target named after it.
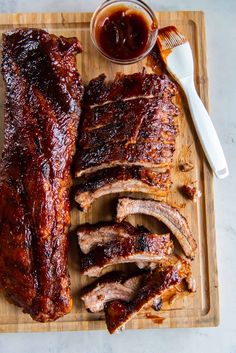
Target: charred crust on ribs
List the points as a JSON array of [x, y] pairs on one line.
[[121, 179], [42, 110], [130, 121]]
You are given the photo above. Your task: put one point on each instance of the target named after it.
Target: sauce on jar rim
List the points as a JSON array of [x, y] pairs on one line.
[[123, 33]]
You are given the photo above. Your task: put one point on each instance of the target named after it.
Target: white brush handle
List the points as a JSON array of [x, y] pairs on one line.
[[205, 129]]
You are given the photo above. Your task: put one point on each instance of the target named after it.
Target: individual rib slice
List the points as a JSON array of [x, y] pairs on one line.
[[136, 245], [165, 213], [113, 285], [92, 235], [121, 179], [130, 121], [43, 93], [154, 287]]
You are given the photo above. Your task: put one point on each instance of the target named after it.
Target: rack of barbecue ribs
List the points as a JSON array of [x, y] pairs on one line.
[[42, 110], [126, 143], [127, 127]]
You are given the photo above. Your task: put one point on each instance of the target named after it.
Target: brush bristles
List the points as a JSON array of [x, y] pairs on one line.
[[169, 38]]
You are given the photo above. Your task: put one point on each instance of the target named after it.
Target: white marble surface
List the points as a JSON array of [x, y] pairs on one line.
[[221, 34]]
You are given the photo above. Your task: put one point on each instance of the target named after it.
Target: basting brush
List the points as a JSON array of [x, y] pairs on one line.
[[177, 55]]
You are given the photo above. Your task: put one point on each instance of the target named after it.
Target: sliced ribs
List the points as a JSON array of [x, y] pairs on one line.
[[165, 213], [159, 285], [113, 244], [130, 121], [113, 285], [116, 285], [42, 110], [92, 235], [121, 179]]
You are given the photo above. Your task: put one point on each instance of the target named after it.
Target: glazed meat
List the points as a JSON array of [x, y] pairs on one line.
[[130, 121], [113, 285], [146, 154], [116, 285], [42, 110], [132, 124], [159, 284], [92, 235], [139, 84], [129, 245], [121, 179], [165, 213]]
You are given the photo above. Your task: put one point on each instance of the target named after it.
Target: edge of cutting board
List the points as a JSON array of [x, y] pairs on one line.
[[211, 318]]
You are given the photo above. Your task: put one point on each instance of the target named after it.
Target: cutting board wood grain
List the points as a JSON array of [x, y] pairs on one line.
[[199, 309]]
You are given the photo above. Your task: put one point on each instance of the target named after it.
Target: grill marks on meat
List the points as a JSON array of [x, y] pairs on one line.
[[130, 121], [156, 285], [165, 213], [43, 93], [146, 154], [113, 285], [126, 86], [136, 120], [129, 126], [125, 245], [121, 179]]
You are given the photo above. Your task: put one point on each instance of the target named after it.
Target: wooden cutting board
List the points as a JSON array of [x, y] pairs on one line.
[[199, 309]]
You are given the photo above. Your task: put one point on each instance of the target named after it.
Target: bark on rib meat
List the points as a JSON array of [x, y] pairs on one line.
[[43, 94], [121, 179], [130, 121], [165, 213]]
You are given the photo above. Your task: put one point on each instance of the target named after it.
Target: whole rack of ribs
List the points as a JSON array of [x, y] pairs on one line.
[[130, 121], [42, 110], [103, 245]]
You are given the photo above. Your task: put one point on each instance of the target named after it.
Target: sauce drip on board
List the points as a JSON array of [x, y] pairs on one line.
[[155, 319], [123, 33]]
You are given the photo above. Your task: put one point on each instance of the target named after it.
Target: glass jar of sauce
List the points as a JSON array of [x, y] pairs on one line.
[[124, 31]]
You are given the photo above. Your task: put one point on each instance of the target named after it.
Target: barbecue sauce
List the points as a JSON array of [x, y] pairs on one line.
[[123, 33]]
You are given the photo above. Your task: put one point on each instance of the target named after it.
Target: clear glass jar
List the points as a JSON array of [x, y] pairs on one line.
[[132, 6]]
